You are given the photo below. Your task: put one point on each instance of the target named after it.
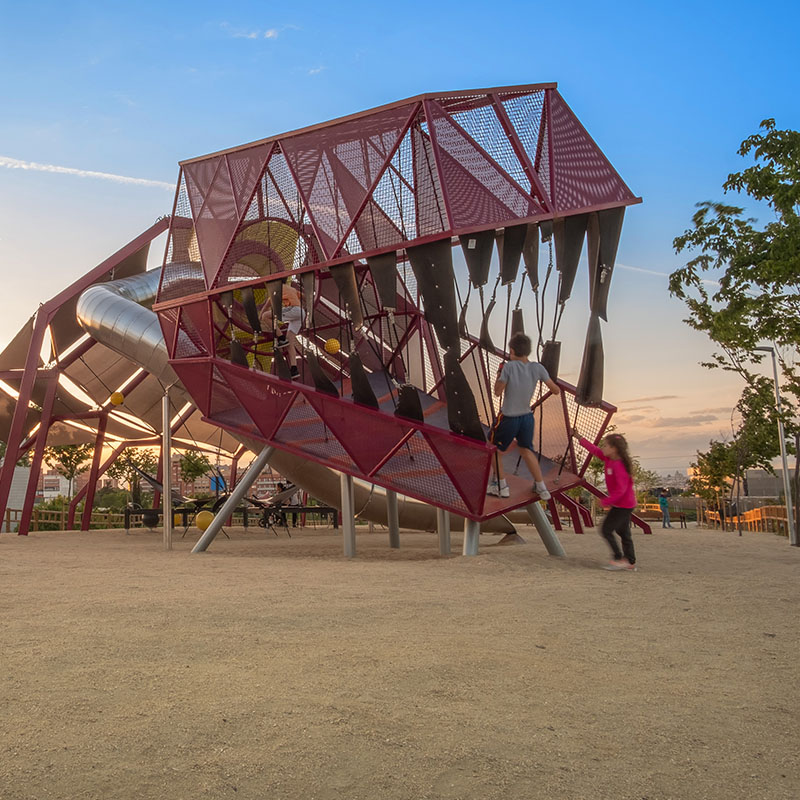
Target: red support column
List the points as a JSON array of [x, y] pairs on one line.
[[38, 457], [553, 508], [572, 508], [91, 486], [16, 433], [82, 493]]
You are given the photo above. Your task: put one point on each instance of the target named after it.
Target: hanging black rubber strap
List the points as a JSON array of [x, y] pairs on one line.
[[477, 249], [530, 254], [408, 403], [238, 355], [462, 317], [344, 276], [462, 411], [484, 338], [569, 233], [383, 269], [509, 247], [321, 381], [275, 296], [281, 366], [603, 235], [362, 389], [550, 358], [250, 309], [589, 391], [432, 265]]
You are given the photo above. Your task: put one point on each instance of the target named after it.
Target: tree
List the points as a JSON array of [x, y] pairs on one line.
[[126, 466], [69, 460], [755, 275], [756, 294], [193, 465], [23, 461]]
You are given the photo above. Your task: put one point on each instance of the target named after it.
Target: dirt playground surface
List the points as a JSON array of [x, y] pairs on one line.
[[275, 668]]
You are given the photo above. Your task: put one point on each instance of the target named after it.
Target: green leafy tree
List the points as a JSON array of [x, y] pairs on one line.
[[69, 460], [193, 465], [742, 287], [23, 461], [125, 469]]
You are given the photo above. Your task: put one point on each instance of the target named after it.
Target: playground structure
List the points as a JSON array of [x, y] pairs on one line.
[[360, 215]]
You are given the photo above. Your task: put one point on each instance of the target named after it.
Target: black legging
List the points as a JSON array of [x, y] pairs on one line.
[[618, 520]]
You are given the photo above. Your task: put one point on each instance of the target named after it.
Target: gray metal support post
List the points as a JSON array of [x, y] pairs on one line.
[[539, 519], [229, 506], [348, 515], [443, 529], [393, 518], [472, 532], [166, 470]]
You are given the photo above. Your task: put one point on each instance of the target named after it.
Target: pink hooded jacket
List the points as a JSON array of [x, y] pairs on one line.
[[618, 482]]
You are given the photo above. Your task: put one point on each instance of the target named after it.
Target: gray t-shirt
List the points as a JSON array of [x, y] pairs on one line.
[[520, 378]]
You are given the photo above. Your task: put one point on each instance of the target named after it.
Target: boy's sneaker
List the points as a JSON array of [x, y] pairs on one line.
[[295, 372], [496, 490], [541, 490], [281, 341]]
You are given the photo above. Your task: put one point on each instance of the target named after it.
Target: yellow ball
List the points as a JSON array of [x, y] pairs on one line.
[[332, 346], [117, 399], [203, 520]]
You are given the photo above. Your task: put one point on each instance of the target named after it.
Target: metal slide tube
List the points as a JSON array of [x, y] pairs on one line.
[[228, 507], [539, 519]]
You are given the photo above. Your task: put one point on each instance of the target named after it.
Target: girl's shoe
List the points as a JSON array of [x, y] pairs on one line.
[[622, 564]]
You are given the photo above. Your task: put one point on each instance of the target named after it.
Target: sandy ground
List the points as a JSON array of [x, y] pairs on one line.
[[275, 668]]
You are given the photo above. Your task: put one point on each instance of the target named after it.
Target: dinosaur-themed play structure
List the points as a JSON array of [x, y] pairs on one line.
[[338, 300]]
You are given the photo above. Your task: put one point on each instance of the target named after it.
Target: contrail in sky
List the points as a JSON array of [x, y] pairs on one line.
[[15, 163]]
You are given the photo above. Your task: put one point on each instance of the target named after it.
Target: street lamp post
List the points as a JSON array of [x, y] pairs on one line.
[[787, 489]]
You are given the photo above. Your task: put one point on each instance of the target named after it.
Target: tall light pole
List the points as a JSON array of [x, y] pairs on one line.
[[787, 489]]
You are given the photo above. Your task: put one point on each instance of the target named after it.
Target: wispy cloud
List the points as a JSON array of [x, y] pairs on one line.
[[649, 399], [15, 163], [689, 421], [316, 70], [706, 281], [250, 33]]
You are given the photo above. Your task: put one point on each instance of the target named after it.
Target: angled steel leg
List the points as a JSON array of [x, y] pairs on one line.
[[539, 519], [443, 528], [472, 532], [248, 479]]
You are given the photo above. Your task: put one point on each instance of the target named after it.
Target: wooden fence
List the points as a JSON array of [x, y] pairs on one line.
[[770, 519]]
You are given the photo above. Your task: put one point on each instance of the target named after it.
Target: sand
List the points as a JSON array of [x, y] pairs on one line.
[[275, 668]]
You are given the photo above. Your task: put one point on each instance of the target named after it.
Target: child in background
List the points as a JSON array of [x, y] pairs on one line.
[[663, 504], [621, 499], [292, 315], [516, 382]]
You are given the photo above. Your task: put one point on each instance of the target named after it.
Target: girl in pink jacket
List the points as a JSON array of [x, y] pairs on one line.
[[621, 499]]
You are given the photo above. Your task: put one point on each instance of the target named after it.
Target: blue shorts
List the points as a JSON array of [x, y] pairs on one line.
[[509, 428]]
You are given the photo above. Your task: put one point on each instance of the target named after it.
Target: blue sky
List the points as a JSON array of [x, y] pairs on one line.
[[668, 90]]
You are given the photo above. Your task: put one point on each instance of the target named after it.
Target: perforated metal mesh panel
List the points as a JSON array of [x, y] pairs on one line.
[[525, 111], [414, 466], [303, 429], [483, 125]]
